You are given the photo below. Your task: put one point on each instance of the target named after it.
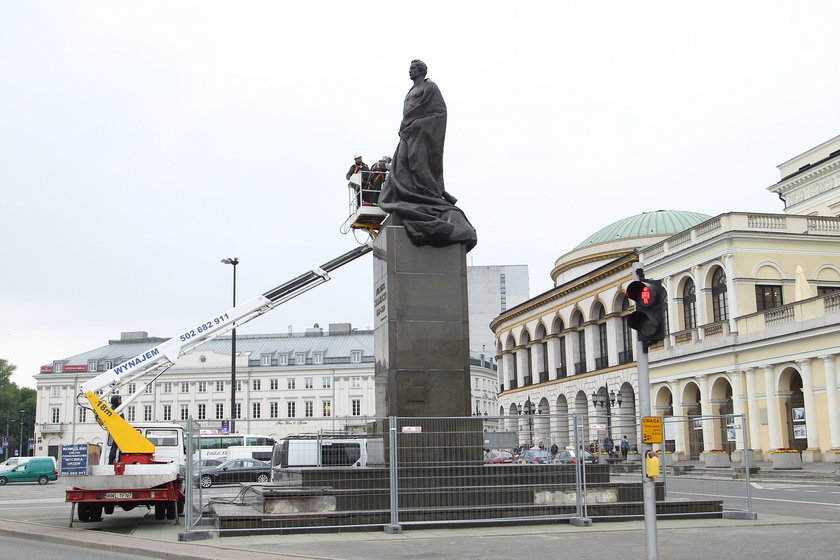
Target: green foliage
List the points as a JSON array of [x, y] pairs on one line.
[[14, 399]]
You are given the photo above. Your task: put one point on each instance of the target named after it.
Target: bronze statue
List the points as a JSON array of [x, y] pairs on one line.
[[414, 191]]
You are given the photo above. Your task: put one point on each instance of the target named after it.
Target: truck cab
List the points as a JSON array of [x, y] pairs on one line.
[[168, 439]]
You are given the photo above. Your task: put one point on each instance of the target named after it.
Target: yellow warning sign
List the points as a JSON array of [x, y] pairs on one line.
[[651, 429]]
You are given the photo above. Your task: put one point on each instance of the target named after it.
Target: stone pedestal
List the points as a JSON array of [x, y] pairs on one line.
[[421, 337], [786, 461], [739, 455], [716, 460], [421, 328]]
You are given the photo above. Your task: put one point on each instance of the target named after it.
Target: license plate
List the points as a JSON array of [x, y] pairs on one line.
[[118, 495]]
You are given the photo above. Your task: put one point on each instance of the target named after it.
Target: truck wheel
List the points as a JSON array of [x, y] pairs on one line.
[[171, 510], [43, 479], [160, 512], [108, 509], [83, 512], [95, 513], [3, 480], [262, 477], [206, 481]]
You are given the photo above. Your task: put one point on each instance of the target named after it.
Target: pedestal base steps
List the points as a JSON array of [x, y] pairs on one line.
[[331, 500]]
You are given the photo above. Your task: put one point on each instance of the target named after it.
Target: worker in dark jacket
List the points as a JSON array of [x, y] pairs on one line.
[[116, 401], [359, 166], [378, 172]]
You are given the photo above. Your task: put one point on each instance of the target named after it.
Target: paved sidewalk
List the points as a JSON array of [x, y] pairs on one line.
[[767, 538]]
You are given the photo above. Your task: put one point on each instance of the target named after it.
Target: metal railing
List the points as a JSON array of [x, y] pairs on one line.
[[393, 472]]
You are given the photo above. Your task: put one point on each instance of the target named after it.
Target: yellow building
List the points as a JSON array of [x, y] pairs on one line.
[[754, 325]]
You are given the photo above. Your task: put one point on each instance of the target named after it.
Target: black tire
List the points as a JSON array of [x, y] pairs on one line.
[[3, 481], [171, 510], [43, 479], [160, 511], [262, 478], [83, 512], [95, 512], [108, 509], [206, 481]]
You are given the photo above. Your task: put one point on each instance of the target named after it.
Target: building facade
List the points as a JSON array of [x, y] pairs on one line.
[[493, 290], [285, 383], [753, 327]]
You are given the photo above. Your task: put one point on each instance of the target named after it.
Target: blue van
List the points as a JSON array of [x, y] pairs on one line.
[[41, 469]]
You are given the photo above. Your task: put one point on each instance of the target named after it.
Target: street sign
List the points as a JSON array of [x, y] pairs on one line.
[[651, 429], [598, 427]]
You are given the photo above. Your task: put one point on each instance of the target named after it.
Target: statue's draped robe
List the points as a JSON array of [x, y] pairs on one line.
[[414, 188]]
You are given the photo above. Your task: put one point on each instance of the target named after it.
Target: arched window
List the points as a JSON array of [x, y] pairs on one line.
[[720, 308], [689, 305]]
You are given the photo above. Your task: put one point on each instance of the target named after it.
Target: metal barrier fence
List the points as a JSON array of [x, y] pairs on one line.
[[341, 473]]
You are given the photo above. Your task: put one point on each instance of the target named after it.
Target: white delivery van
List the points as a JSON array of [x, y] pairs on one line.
[[327, 451]]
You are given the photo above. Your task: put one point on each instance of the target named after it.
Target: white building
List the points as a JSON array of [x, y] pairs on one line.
[[289, 378], [492, 290]]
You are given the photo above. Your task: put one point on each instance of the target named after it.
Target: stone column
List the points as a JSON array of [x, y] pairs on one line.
[[738, 408], [731, 292], [683, 426], [673, 320], [810, 411], [700, 305], [521, 366], [753, 416], [613, 340], [773, 421], [706, 407], [831, 400], [553, 357]]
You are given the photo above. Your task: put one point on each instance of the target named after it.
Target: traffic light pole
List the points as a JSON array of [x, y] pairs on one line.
[[648, 483]]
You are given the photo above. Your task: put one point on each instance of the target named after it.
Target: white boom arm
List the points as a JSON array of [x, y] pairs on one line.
[[165, 354]]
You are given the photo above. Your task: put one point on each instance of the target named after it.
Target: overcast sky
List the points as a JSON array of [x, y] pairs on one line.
[[142, 142]]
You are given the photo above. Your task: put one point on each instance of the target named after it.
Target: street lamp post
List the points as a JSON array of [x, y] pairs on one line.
[[528, 410], [606, 399], [20, 442], [233, 261]]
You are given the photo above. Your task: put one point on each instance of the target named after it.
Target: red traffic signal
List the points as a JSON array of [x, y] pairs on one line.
[[648, 320]]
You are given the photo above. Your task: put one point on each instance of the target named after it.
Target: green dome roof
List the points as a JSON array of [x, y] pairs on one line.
[[646, 224]]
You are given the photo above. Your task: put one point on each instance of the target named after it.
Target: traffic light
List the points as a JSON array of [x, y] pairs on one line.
[[648, 320]]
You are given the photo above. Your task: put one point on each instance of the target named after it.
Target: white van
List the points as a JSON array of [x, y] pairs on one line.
[[12, 462], [332, 451]]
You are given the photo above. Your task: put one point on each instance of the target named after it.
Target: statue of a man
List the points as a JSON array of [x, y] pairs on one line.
[[414, 190]]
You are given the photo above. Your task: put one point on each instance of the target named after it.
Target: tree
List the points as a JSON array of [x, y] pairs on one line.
[[13, 400]]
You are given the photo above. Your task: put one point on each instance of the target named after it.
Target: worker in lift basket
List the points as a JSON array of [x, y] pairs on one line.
[[116, 401]]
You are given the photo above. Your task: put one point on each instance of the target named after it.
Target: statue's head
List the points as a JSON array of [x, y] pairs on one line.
[[417, 68]]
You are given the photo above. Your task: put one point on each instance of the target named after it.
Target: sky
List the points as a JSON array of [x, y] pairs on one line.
[[143, 142]]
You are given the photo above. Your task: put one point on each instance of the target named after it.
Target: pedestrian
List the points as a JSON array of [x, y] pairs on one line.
[[625, 447], [553, 449], [608, 445], [542, 446]]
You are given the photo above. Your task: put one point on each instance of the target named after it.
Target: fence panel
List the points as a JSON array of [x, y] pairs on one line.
[[342, 473]]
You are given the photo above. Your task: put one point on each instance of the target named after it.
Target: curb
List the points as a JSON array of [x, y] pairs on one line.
[[127, 544]]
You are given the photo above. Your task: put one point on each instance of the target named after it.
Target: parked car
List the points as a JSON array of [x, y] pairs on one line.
[[496, 457], [235, 470], [204, 464], [40, 469], [570, 456], [535, 457]]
